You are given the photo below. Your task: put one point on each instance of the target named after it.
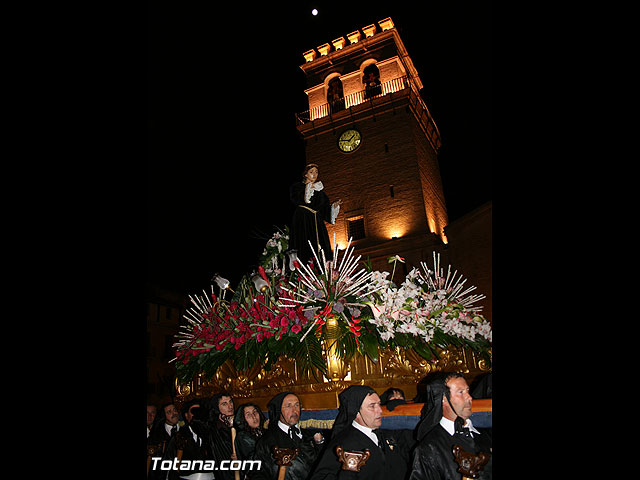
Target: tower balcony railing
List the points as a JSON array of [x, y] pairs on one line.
[[357, 98]]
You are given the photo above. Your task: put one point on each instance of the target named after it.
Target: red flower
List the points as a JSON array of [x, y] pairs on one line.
[[356, 333], [263, 274], [325, 311], [284, 322], [296, 328]]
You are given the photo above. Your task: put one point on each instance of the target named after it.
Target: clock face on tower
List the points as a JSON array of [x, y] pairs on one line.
[[349, 140]]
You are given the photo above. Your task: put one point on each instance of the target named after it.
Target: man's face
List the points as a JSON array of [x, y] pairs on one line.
[[151, 414], [225, 405], [171, 414], [252, 416], [290, 411], [460, 399], [370, 414]]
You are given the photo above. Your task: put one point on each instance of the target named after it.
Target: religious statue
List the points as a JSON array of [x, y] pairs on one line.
[[313, 208]]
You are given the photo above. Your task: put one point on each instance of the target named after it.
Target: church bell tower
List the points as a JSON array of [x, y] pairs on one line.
[[376, 146]]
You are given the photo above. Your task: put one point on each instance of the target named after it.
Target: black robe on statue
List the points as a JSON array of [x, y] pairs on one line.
[[309, 226]]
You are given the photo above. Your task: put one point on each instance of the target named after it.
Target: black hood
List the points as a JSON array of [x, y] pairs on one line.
[[350, 401], [239, 421], [432, 410], [275, 408]]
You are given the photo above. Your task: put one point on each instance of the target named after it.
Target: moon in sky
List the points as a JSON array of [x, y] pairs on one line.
[[314, 11]]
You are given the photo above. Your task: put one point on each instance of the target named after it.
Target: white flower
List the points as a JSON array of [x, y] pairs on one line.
[[377, 311], [407, 309], [386, 335]]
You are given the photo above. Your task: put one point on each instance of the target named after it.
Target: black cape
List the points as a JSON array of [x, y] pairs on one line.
[[158, 436], [302, 465], [246, 437], [387, 461], [307, 226], [191, 450], [433, 457], [219, 437], [220, 441]]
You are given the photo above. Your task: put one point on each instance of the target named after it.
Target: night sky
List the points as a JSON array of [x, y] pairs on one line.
[[223, 87]]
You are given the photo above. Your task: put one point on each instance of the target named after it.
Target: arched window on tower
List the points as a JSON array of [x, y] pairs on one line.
[[335, 95], [371, 81]]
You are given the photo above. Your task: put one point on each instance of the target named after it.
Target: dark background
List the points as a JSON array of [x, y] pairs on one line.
[[224, 84]]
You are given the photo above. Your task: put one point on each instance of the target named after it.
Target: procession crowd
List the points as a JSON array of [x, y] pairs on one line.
[[212, 438]]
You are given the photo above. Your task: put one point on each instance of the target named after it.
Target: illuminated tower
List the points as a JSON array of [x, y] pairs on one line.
[[376, 145]]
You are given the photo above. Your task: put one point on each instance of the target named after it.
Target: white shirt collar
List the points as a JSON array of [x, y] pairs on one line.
[[168, 427], [449, 426], [367, 431], [285, 428]]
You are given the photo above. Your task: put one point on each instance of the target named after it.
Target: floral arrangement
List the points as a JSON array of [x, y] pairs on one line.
[[286, 308]]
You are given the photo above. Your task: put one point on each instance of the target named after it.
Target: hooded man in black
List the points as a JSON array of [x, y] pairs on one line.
[[356, 429], [285, 432], [445, 422], [219, 424]]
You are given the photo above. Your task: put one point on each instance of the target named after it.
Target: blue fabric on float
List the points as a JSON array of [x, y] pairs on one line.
[[395, 422]]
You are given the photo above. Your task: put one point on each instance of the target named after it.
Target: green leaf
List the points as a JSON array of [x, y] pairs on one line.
[[308, 355], [401, 339], [370, 344], [423, 350]]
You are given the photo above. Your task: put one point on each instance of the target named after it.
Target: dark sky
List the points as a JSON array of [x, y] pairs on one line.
[[224, 85]]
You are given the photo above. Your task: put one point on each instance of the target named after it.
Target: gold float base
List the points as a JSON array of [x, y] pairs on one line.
[[397, 367]]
